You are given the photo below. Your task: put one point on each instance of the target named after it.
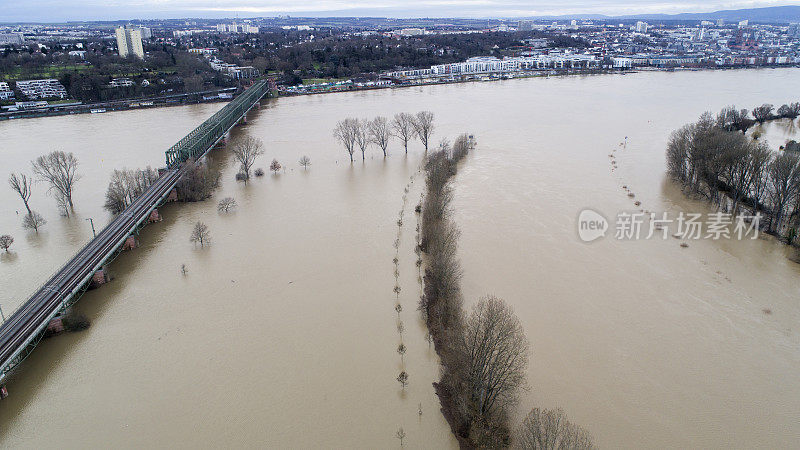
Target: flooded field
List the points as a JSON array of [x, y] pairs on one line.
[[283, 332]]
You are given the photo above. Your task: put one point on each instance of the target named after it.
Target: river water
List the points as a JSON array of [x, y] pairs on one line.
[[283, 332]]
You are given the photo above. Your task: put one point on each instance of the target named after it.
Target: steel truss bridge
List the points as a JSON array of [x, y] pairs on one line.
[[23, 330]]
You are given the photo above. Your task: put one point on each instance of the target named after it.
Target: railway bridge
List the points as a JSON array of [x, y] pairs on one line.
[[26, 326]]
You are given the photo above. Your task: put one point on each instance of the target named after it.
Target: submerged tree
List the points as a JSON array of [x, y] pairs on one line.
[[200, 234], [362, 137], [423, 126], [403, 379], [245, 150], [33, 221], [5, 241], [403, 128], [345, 132], [379, 132], [498, 356], [549, 429], [226, 204], [58, 169], [197, 182], [275, 166], [401, 434], [126, 186], [21, 184], [305, 161]]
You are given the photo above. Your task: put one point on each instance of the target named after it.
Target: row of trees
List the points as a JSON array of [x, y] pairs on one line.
[[353, 133], [731, 118], [732, 170], [59, 170], [484, 355]]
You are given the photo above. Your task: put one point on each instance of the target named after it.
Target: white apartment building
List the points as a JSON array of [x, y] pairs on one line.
[[486, 65], [33, 89], [129, 42], [641, 27], [237, 28], [5, 91]]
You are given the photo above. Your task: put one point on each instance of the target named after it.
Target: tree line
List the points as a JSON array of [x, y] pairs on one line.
[[358, 134], [713, 159], [484, 354]]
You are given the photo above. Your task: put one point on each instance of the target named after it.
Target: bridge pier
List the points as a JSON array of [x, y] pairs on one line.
[[55, 326], [3, 392], [99, 278], [154, 217], [130, 243], [173, 195]]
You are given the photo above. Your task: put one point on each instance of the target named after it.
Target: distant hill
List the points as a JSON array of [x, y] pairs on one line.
[[772, 14]]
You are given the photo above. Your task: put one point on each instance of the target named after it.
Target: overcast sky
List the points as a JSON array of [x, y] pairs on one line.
[[61, 10]]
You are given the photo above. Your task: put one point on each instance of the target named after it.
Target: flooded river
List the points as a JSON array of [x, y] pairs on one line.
[[283, 333]]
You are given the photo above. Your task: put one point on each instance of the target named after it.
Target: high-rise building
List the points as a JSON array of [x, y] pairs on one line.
[[129, 42], [720, 22], [641, 27], [146, 33], [525, 25]]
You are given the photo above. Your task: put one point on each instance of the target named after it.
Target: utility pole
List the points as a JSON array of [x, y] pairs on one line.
[[92, 222]]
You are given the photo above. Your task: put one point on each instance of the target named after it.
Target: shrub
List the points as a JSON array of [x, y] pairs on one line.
[[259, 172]]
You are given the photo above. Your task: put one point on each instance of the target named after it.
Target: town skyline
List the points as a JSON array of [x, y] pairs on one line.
[[51, 11]]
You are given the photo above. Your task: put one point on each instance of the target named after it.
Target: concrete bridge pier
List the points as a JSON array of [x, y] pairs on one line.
[[99, 278], [130, 243], [154, 217]]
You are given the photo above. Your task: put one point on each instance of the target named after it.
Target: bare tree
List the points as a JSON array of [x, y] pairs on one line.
[[197, 182], [5, 241], [21, 184], [33, 221], [226, 204], [345, 132], [783, 177], [275, 166], [401, 350], [498, 355], [362, 137], [549, 429], [401, 434], [379, 133], [246, 149], [762, 113], [200, 234], [59, 170], [423, 126], [403, 128], [127, 185], [403, 379], [305, 161]]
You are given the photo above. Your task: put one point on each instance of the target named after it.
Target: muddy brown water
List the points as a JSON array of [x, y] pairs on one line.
[[283, 332]]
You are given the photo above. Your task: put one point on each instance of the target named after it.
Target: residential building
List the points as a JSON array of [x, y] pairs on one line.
[[237, 28], [129, 42], [412, 31], [11, 38], [641, 27], [5, 91], [33, 89]]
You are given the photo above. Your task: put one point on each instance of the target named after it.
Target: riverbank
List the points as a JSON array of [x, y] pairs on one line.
[[219, 95]]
